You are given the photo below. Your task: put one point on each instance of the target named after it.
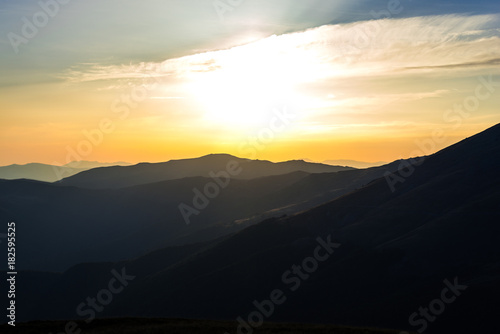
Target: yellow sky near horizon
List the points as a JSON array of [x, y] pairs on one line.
[[371, 91]]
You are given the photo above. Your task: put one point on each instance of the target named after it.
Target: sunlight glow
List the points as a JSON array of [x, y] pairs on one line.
[[235, 94], [351, 85]]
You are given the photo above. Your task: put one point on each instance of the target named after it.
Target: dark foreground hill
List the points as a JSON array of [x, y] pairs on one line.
[[126, 176], [184, 326], [421, 255]]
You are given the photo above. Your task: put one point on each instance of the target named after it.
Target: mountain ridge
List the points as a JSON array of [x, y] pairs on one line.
[[48, 173], [407, 241], [397, 247], [111, 221], [143, 173]]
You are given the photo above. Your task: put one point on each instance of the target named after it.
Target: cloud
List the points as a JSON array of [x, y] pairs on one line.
[[370, 47], [315, 128], [487, 63], [380, 100], [369, 68], [167, 97]]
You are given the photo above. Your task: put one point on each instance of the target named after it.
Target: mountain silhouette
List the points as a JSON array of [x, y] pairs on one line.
[[354, 163], [114, 224], [398, 245], [143, 173], [50, 173]]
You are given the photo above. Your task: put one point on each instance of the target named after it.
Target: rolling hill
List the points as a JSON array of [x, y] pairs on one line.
[[50, 173], [143, 173], [354, 163], [114, 224], [395, 250], [184, 326]]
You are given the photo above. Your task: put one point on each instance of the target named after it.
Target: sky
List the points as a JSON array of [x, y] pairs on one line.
[[155, 80]]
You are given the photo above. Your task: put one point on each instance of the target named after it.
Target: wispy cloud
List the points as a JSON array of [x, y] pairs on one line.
[[488, 63], [167, 97], [376, 47], [348, 69]]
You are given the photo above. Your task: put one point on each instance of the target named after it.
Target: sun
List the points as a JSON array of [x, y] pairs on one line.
[[240, 98], [245, 86]]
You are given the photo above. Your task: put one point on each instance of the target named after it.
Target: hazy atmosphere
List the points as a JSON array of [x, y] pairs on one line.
[[178, 79]]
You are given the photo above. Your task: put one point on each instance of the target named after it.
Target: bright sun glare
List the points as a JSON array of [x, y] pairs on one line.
[[246, 83]]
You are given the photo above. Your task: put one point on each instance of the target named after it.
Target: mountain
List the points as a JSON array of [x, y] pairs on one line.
[[49, 173], [397, 251], [120, 177], [114, 224], [422, 239], [354, 163], [36, 171], [86, 165]]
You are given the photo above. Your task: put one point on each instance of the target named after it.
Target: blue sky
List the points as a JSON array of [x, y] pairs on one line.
[[154, 29]]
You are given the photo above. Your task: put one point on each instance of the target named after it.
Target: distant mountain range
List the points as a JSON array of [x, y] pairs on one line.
[[143, 173], [84, 164], [50, 173], [154, 172], [354, 163], [113, 224], [392, 250]]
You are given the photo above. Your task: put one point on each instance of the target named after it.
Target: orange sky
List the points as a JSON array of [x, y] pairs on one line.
[[314, 94]]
